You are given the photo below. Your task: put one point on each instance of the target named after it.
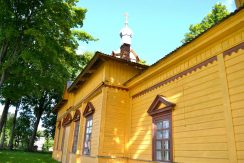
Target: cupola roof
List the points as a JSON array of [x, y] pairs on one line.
[[126, 32]]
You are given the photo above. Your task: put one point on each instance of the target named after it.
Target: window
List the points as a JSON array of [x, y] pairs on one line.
[[76, 133], [62, 145], [162, 146], [66, 121], [89, 110], [162, 140], [88, 132], [57, 143], [76, 119]]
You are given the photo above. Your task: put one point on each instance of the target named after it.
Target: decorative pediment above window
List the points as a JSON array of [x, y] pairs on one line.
[[67, 119], [89, 110], [159, 105], [76, 116]]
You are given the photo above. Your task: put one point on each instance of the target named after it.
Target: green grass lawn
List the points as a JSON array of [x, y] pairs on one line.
[[25, 157]]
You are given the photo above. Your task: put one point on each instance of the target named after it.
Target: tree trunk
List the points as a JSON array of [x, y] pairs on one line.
[[33, 136], [10, 144], [2, 78], [3, 137], [4, 114], [38, 112], [3, 51]]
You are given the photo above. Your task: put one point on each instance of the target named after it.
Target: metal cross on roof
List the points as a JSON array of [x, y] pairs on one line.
[[126, 19]]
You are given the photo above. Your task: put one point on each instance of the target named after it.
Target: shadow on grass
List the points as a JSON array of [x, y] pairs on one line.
[[25, 157]]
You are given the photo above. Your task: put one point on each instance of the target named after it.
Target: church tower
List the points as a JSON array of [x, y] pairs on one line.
[[125, 51]]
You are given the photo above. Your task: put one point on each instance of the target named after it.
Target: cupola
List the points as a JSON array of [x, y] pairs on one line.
[[126, 33], [125, 51]]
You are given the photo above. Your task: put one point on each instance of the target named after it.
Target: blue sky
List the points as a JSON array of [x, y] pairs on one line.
[[158, 25]]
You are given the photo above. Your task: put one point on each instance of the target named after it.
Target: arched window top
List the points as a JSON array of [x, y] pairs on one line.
[[77, 115], [89, 110], [159, 105], [67, 119]]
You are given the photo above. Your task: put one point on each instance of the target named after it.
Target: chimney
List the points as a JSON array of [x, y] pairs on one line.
[[125, 51]]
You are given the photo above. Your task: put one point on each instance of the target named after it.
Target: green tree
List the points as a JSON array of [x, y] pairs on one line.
[[4, 114], [3, 137], [39, 106], [38, 40], [32, 29], [23, 128], [80, 63], [48, 123], [6, 134], [143, 62], [52, 89], [12, 130], [219, 11]]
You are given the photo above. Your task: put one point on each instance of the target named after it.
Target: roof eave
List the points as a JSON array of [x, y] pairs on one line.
[[99, 57]]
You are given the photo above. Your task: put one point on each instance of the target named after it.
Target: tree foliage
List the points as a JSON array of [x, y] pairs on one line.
[[36, 31], [80, 63], [24, 128], [219, 11], [38, 42]]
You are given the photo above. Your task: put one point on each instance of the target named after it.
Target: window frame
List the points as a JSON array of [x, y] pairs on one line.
[[76, 137], [160, 117], [76, 119], [157, 112], [57, 142], [63, 137], [88, 114], [88, 118], [66, 121]]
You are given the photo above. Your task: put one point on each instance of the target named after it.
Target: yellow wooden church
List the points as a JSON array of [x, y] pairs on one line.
[[188, 107]]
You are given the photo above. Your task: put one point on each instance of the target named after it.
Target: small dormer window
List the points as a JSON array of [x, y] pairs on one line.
[[162, 146]]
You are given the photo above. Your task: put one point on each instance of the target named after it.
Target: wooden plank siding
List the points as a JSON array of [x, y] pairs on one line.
[[205, 81], [115, 123], [115, 106], [97, 103], [200, 133], [235, 75], [198, 121], [118, 73]]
